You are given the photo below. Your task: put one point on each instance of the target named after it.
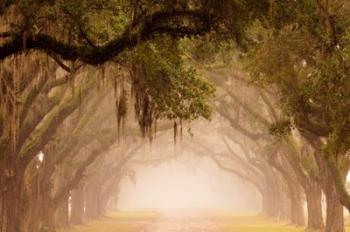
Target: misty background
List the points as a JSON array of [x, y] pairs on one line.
[[186, 182]]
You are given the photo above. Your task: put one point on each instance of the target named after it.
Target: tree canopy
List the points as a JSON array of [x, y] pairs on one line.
[[273, 74]]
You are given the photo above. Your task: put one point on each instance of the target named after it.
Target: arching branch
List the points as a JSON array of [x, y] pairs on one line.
[[157, 23]]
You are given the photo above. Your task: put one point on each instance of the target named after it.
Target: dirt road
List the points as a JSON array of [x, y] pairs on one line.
[[184, 223]]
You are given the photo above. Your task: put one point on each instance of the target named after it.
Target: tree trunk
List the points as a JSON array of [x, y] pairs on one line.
[[62, 215], [34, 214], [314, 206], [296, 203], [335, 214], [103, 202], [270, 207], [109, 194], [48, 217], [91, 202], [2, 204], [35, 200], [47, 210], [77, 209], [112, 204], [13, 210], [284, 209], [12, 204]]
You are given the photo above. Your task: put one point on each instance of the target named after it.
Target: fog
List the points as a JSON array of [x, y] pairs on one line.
[[187, 182], [165, 116]]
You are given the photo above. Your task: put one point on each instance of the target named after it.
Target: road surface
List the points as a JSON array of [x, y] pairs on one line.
[[183, 222]]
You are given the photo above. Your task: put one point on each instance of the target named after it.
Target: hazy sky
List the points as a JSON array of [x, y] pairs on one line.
[[187, 182]]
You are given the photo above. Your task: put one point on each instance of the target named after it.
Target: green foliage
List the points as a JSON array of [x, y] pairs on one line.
[[281, 128], [234, 17], [91, 22], [305, 54], [165, 87], [209, 50], [98, 21], [345, 40]]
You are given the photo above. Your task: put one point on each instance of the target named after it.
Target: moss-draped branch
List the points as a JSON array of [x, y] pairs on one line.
[[156, 23]]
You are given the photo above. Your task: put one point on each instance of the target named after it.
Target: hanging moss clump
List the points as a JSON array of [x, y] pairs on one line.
[[163, 87], [121, 109]]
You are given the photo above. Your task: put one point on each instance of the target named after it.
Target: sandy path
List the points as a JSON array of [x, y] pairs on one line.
[[175, 223]]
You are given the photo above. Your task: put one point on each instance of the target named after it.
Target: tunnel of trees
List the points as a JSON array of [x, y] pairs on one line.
[[85, 84]]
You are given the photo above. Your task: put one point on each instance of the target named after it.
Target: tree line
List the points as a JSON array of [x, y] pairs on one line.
[[71, 71]]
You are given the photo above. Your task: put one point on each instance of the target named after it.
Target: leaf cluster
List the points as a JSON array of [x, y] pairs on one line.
[[165, 87]]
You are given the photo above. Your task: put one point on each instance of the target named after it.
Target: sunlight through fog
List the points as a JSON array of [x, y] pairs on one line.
[[186, 183]]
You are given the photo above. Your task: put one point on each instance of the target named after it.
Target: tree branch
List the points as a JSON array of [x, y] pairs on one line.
[[152, 25], [49, 125]]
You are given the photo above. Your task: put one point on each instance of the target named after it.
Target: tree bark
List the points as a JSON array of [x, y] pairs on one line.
[[33, 214], [335, 214], [314, 206], [62, 214], [13, 199], [77, 208], [270, 200], [47, 210], [102, 54], [2, 203], [48, 217], [91, 202], [296, 203]]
